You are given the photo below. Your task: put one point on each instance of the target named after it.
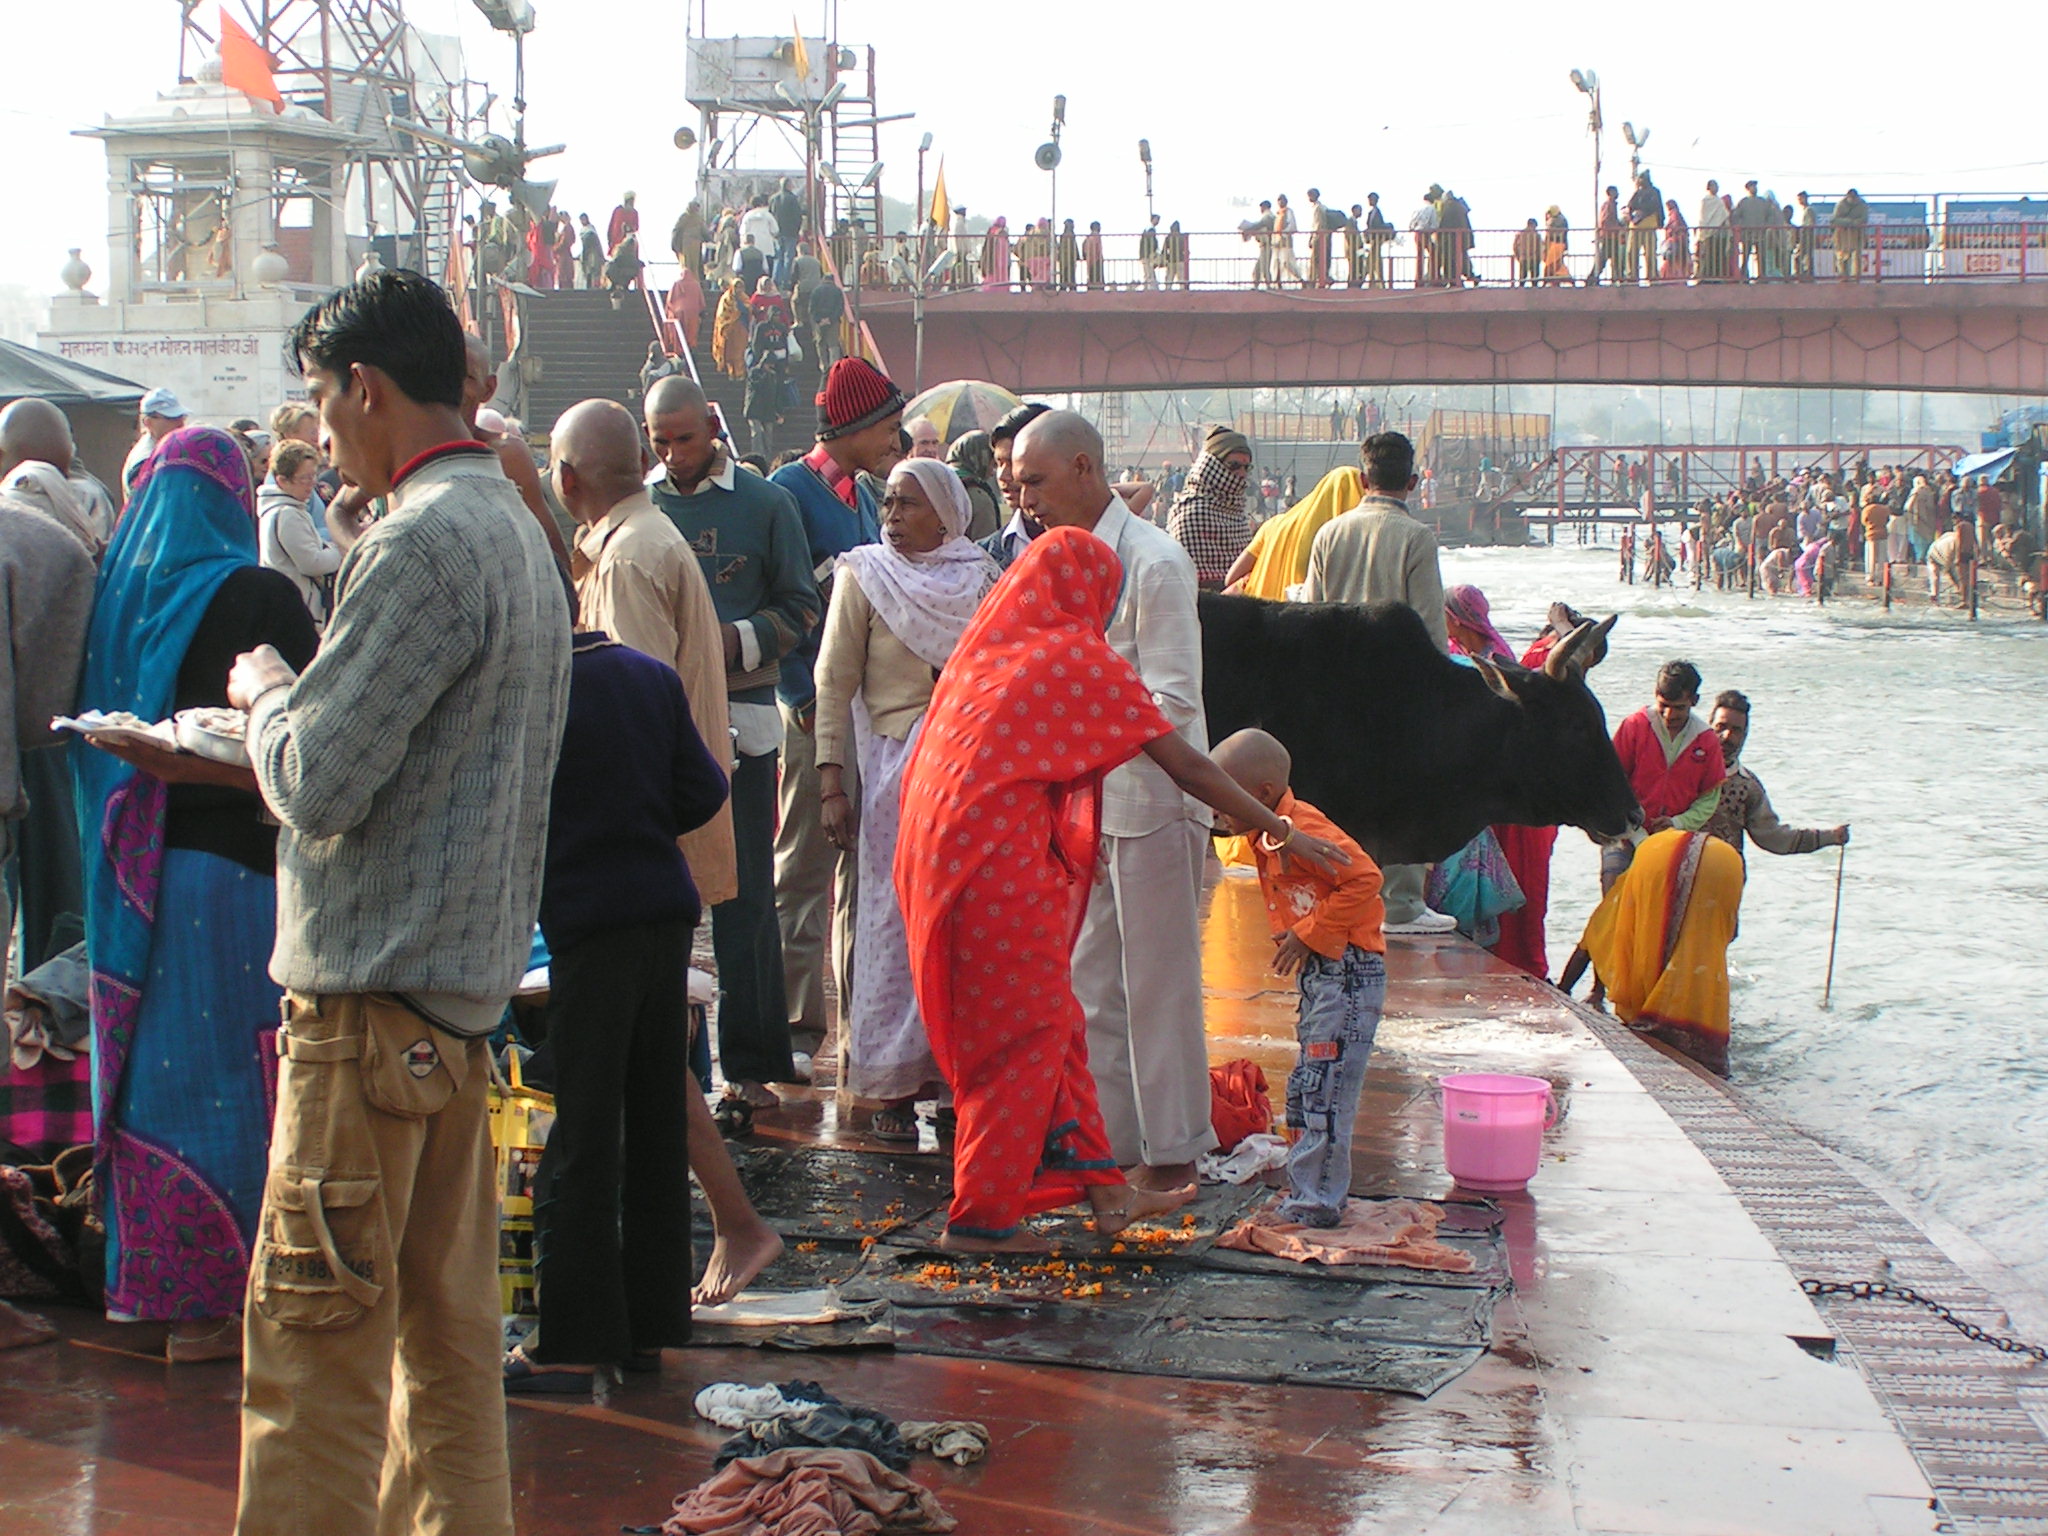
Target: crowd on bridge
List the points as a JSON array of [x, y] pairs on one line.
[[1637, 236], [948, 799]]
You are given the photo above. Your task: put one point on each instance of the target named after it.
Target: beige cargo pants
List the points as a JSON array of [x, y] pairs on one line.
[[377, 1247]]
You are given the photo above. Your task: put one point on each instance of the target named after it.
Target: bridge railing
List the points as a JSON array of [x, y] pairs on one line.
[[1446, 259]]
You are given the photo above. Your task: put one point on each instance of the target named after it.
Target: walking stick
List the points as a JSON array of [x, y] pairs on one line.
[[1827, 990]]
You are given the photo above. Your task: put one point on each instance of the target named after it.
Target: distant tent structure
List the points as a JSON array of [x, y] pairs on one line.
[[101, 406]]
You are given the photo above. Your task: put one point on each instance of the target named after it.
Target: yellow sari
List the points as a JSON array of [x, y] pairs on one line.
[[1280, 547], [729, 333], [1659, 942]]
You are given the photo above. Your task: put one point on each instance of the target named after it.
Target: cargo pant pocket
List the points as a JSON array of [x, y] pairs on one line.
[[410, 1069], [322, 1259], [323, 1247]]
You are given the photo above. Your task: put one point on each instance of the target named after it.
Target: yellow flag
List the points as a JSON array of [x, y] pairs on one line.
[[940, 210], [799, 55]]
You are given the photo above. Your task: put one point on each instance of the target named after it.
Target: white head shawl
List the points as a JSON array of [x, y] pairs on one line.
[[927, 600], [43, 487]]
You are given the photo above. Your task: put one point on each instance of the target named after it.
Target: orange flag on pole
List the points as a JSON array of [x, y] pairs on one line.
[[244, 65], [941, 209]]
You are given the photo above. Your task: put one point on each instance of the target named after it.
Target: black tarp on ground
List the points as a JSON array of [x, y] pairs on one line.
[[1160, 1300]]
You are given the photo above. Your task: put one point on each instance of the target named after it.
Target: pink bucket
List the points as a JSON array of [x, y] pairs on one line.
[[1493, 1128]]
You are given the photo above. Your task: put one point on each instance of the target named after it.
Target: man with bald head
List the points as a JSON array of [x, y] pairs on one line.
[[38, 466], [479, 384], [1137, 967], [638, 581], [751, 547]]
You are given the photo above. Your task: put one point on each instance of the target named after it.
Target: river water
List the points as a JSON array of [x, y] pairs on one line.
[[1926, 734]]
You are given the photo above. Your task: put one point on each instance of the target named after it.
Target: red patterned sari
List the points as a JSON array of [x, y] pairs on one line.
[[1002, 810]]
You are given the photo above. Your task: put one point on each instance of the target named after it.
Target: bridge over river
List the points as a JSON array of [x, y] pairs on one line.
[[1959, 334]]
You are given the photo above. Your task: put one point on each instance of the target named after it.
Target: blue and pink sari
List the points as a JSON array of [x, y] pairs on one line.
[[183, 1009]]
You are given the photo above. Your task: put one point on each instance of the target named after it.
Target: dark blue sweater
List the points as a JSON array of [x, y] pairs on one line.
[[633, 777]]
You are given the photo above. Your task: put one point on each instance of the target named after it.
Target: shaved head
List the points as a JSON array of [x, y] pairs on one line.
[[672, 394], [1257, 761], [1057, 467], [598, 458], [35, 429], [683, 428], [479, 376], [1066, 433]]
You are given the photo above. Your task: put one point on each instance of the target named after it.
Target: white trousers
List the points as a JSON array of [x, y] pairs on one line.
[[1138, 975]]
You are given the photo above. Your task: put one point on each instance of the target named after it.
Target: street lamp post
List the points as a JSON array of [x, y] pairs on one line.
[[1589, 84], [1637, 138], [859, 231], [923, 213], [1145, 157], [918, 280]]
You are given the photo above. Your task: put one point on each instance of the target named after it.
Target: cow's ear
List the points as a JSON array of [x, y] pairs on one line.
[[1496, 679]]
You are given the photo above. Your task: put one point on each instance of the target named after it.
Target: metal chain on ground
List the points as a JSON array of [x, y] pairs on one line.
[[1866, 1290]]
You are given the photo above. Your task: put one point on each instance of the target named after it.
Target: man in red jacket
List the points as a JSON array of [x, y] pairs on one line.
[[1673, 762]]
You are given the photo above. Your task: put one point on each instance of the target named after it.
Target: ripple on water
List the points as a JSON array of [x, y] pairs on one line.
[[1926, 734]]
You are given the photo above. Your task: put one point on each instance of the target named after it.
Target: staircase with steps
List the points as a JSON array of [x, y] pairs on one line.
[[587, 350]]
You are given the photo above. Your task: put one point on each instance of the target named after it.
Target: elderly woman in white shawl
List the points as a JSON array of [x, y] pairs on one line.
[[898, 609]]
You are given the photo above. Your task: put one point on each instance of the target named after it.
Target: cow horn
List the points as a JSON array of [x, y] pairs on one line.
[[1562, 663], [1496, 679]]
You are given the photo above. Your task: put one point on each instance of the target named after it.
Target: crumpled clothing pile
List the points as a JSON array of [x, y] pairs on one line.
[[802, 1413], [959, 1441], [1397, 1232], [805, 1414], [807, 1492], [1252, 1157], [47, 1011], [808, 1416]]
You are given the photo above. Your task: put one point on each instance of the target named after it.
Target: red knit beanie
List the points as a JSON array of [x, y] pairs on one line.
[[856, 396]]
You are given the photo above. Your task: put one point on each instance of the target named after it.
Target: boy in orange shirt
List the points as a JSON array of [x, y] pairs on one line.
[[1329, 931]]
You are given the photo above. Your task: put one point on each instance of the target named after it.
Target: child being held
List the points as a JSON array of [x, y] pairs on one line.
[[1327, 929]]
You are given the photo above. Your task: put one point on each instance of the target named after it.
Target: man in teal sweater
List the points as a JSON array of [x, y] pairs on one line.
[[860, 427], [751, 543]]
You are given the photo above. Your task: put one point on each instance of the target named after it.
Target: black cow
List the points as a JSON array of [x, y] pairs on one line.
[[1405, 749]]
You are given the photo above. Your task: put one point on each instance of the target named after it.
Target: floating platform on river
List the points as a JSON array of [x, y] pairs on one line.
[[1656, 1367]]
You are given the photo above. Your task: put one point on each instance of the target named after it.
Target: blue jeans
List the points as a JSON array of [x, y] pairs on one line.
[[1340, 1013], [785, 258]]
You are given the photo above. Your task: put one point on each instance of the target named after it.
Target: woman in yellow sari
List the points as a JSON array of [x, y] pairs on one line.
[[1277, 557], [1659, 942], [729, 332]]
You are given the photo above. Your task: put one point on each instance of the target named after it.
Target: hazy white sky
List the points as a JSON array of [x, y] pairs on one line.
[[1237, 102]]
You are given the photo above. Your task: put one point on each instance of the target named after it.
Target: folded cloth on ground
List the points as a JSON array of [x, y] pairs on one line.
[[1398, 1232], [807, 1493], [47, 1010], [828, 1426], [733, 1404], [771, 1309], [1254, 1155], [956, 1440]]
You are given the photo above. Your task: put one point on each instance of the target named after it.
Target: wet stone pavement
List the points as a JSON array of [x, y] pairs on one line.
[[1656, 1368]]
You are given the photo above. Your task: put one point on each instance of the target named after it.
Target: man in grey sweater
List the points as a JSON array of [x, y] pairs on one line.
[[1378, 553], [411, 766]]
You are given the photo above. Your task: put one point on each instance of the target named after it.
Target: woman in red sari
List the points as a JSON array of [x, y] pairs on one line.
[[1001, 814]]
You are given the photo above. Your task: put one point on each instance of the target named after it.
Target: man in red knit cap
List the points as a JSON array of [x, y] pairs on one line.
[[860, 430]]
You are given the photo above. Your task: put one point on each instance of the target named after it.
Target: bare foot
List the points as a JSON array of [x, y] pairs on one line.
[[1118, 1205], [736, 1258], [1160, 1177], [1016, 1242], [19, 1329]]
